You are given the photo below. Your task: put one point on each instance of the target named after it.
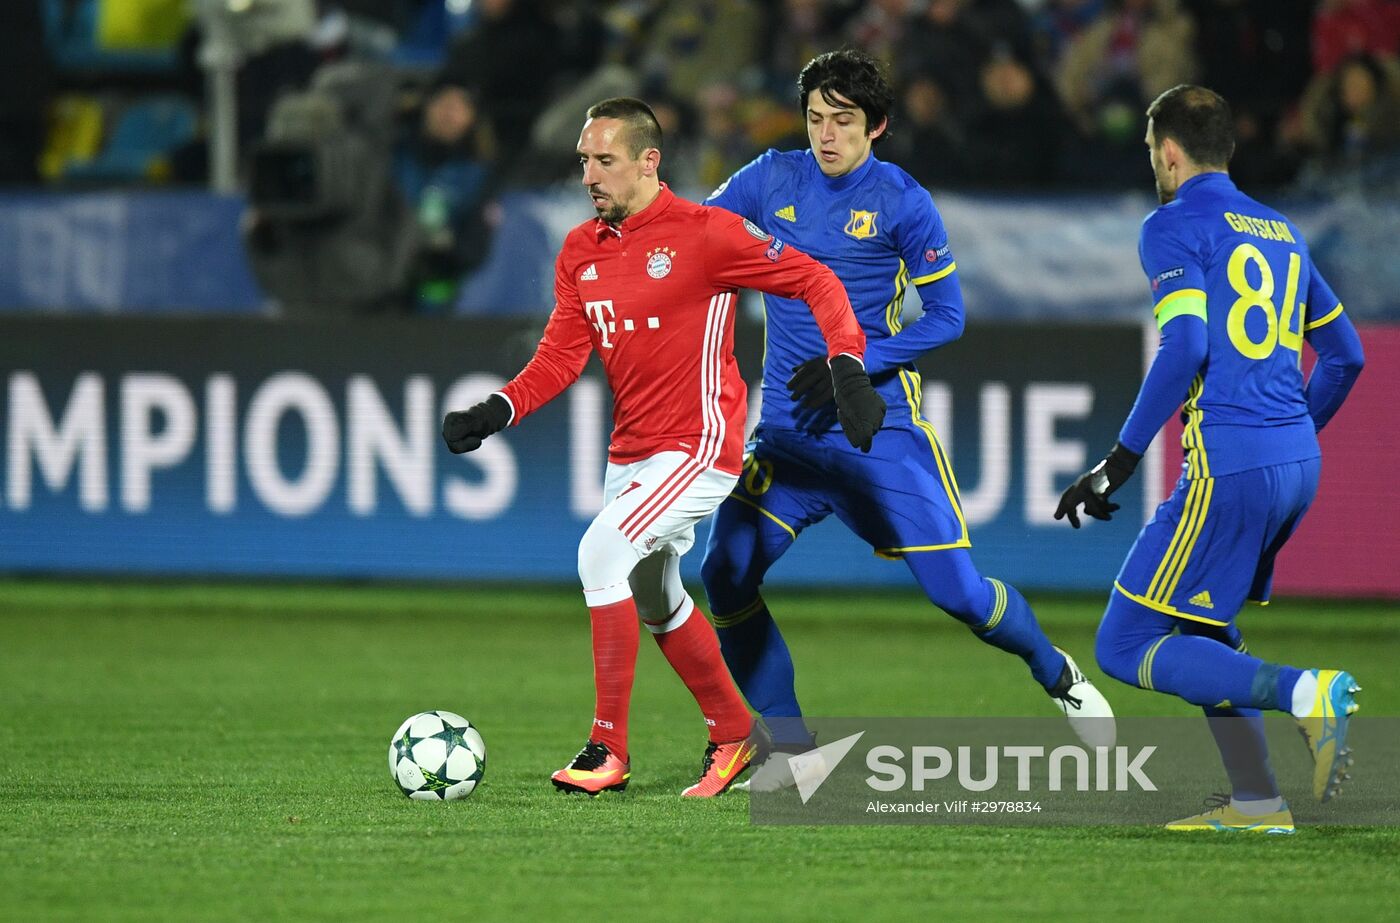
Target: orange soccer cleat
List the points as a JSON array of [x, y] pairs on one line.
[[593, 770], [723, 764]]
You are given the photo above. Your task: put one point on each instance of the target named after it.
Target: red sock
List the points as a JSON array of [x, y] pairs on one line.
[[693, 650], [614, 665]]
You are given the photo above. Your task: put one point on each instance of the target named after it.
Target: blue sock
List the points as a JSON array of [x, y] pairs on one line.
[[759, 660], [1238, 732], [1136, 645], [1239, 735], [1275, 684], [1203, 672], [1205, 664], [995, 612], [1016, 630]]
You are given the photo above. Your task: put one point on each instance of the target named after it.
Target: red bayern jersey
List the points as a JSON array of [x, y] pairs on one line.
[[656, 298]]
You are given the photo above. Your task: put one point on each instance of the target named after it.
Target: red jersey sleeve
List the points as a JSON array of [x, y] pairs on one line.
[[739, 254], [561, 354]]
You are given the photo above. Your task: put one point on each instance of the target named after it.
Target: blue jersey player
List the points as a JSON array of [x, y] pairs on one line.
[[1236, 295], [879, 232]]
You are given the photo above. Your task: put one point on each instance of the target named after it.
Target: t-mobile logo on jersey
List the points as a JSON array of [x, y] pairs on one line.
[[603, 318]]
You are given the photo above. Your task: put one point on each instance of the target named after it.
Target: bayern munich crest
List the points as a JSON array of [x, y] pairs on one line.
[[659, 262]]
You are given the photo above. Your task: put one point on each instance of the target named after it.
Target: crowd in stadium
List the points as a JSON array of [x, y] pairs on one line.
[[487, 94], [1310, 81]]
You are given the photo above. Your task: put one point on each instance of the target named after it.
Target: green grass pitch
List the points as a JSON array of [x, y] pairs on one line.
[[189, 752]]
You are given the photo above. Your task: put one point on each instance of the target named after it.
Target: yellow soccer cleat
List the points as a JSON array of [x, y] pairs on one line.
[[1324, 728], [1221, 817]]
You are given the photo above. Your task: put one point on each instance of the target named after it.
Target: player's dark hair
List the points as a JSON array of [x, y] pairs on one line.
[[643, 131], [1199, 120], [854, 75]]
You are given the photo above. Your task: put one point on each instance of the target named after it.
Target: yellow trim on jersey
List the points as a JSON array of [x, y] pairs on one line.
[[1192, 517], [1164, 609], [1192, 440], [1325, 319], [1145, 667], [936, 275], [913, 393], [894, 308], [895, 554], [742, 499], [725, 621], [1186, 301]]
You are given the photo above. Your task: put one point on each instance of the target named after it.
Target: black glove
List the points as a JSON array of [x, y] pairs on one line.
[[810, 384], [1095, 485], [464, 429], [859, 409]]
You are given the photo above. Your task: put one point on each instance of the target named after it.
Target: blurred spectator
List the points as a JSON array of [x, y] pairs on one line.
[[796, 31], [951, 40], [680, 151], [693, 43], [1347, 27], [1117, 65], [926, 138], [1055, 24], [1352, 115], [26, 79], [554, 134], [1015, 137], [425, 27], [879, 28], [508, 61], [723, 146], [443, 170], [1255, 53], [585, 38]]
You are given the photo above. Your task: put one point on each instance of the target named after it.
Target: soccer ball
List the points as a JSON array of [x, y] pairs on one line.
[[437, 756]]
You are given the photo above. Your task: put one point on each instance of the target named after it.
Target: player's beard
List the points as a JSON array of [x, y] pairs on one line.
[[613, 212]]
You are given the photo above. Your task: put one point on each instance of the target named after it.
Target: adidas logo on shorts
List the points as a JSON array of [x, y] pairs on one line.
[[1202, 599]]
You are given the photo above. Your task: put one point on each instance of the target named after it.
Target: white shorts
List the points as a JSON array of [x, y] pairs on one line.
[[656, 502]]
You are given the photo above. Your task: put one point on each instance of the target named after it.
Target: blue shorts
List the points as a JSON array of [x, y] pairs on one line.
[[899, 497], [1211, 546]]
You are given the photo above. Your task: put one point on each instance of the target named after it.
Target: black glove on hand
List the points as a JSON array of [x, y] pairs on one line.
[[859, 408], [810, 384], [1095, 485], [464, 429]]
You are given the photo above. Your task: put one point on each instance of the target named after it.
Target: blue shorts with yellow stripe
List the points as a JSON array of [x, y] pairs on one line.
[[1212, 543], [899, 497]]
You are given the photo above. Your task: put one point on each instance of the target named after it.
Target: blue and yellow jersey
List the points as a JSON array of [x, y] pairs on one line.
[[879, 231], [1244, 270]]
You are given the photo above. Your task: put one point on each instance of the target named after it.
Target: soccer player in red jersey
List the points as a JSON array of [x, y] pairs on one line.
[[651, 284]]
